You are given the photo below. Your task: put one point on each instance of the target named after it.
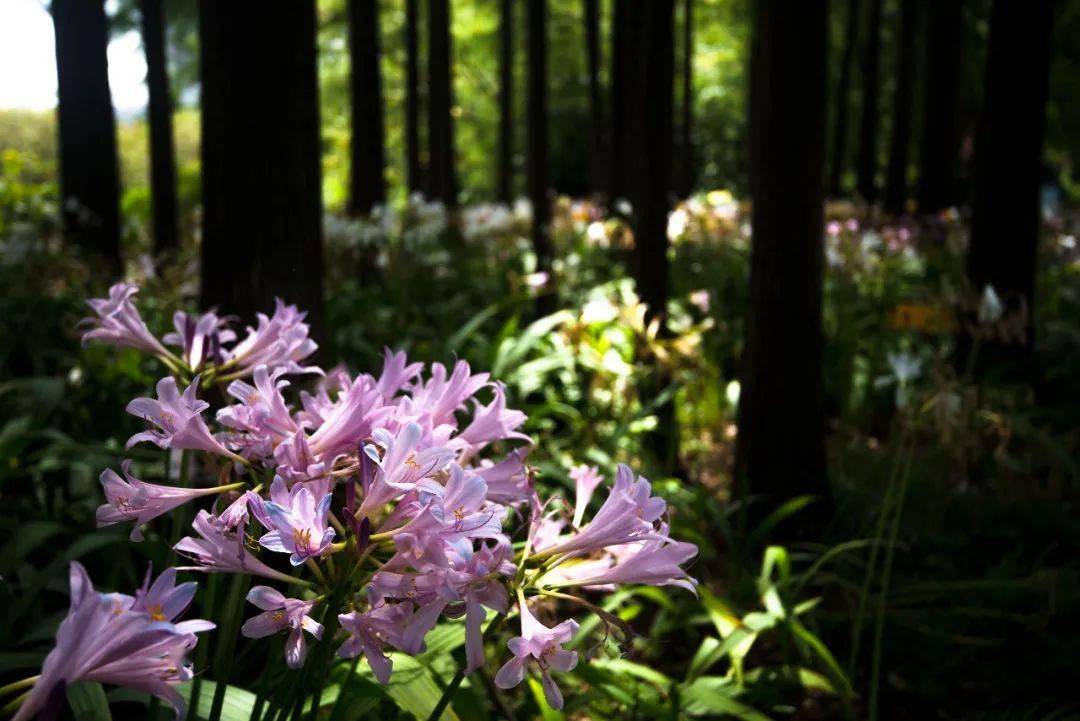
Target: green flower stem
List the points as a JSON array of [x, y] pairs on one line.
[[226, 648], [15, 703], [315, 570], [19, 685], [455, 683]]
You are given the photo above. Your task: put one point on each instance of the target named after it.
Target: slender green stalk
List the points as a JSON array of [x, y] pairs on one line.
[[15, 703], [19, 685], [202, 651], [226, 649], [455, 683], [886, 573], [871, 566]]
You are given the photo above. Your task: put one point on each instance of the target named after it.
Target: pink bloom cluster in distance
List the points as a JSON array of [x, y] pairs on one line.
[[380, 505]]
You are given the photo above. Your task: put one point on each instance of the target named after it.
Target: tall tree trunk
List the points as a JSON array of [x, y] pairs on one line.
[[505, 174], [443, 178], [780, 447], [939, 147], [896, 184], [652, 201], [1005, 213], [538, 175], [413, 168], [868, 127], [843, 93], [597, 157], [368, 152], [685, 184], [626, 99], [89, 176], [262, 203], [159, 111]]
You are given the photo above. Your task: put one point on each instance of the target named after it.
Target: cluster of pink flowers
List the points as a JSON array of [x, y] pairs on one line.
[[400, 493]]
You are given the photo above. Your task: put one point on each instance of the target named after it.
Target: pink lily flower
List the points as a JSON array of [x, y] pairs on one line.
[[118, 322], [654, 561], [493, 422], [541, 646], [507, 482], [396, 372], [278, 614], [371, 632], [132, 499], [113, 639], [299, 524], [401, 464], [280, 341], [441, 397], [219, 551], [586, 479], [199, 337], [176, 420], [261, 418], [627, 515]]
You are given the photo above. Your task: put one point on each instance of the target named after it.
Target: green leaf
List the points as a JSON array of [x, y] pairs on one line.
[[237, 705], [546, 712], [715, 695], [819, 649], [777, 516], [412, 687], [88, 702], [736, 645]]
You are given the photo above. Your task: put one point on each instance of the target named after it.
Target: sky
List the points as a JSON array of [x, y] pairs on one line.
[[28, 61]]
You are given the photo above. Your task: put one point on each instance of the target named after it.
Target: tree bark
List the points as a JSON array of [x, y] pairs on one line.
[[1005, 213], [505, 173], [843, 93], [685, 184], [866, 181], [939, 148], [261, 159], [538, 160], [442, 175], [626, 99], [652, 202], [597, 157], [159, 112], [780, 448], [368, 161], [896, 184], [413, 168], [89, 174]]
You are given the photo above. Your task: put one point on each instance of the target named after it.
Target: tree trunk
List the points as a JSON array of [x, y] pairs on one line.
[[159, 112], [89, 175], [896, 185], [442, 176], [940, 135], [413, 168], [626, 97], [368, 146], [505, 175], [868, 127], [652, 202], [685, 184], [780, 449], [1005, 212], [538, 175], [843, 92], [597, 159], [261, 159]]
